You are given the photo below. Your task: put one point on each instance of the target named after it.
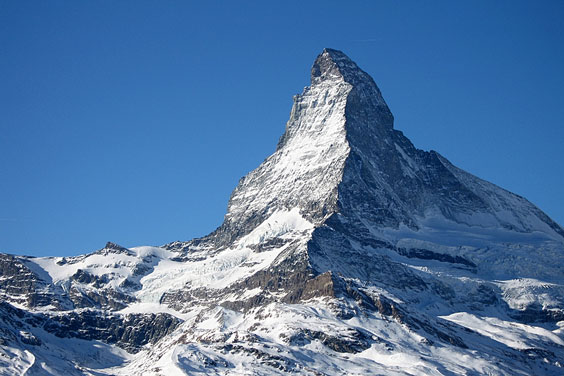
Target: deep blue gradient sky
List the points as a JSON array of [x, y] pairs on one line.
[[132, 121]]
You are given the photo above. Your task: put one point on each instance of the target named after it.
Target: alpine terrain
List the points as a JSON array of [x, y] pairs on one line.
[[346, 252]]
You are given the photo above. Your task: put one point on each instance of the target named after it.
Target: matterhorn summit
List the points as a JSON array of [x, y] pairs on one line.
[[346, 252]]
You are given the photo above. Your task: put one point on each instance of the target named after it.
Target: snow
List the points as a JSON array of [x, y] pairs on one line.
[[524, 292], [278, 224], [512, 334], [224, 268], [216, 271], [510, 210], [15, 361], [398, 350], [96, 264], [118, 264], [150, 307], [499, 253], [410, 166], [59, 356], [304, 171]]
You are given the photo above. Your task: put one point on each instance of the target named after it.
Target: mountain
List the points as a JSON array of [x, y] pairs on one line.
[[347, 251]]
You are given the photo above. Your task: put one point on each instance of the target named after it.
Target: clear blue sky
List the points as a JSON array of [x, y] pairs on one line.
[[132, 121]]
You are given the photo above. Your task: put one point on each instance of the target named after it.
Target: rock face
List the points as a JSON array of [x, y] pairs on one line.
[[346, 251]]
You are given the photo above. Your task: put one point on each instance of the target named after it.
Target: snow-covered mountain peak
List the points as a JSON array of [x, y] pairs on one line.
[[114, 248], [340, 154], [347, 251], [333, 66], [330, 64], [342, 109]]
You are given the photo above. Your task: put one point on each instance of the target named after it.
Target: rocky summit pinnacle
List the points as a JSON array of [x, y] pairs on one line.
[[333, 65], [347, 250]]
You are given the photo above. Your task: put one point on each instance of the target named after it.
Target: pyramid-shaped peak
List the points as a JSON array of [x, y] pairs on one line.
[[333, 64], [365, 100], [115, 248]]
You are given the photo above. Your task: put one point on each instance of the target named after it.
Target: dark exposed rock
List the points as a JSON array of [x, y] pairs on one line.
[[114, 248], [483, 295], [354, 341], [18, 279], [20, 284], [430, 255], [183, 299], [82, 276], [131, 332], [388, 308], [332, 250], [437, 328], [536, 314], [321, 285], [275, 361], [104, 298], [269, 244], [30, 339], [207, 361]]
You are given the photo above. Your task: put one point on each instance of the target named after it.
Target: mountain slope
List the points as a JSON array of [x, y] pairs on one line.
[[346, 251]]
